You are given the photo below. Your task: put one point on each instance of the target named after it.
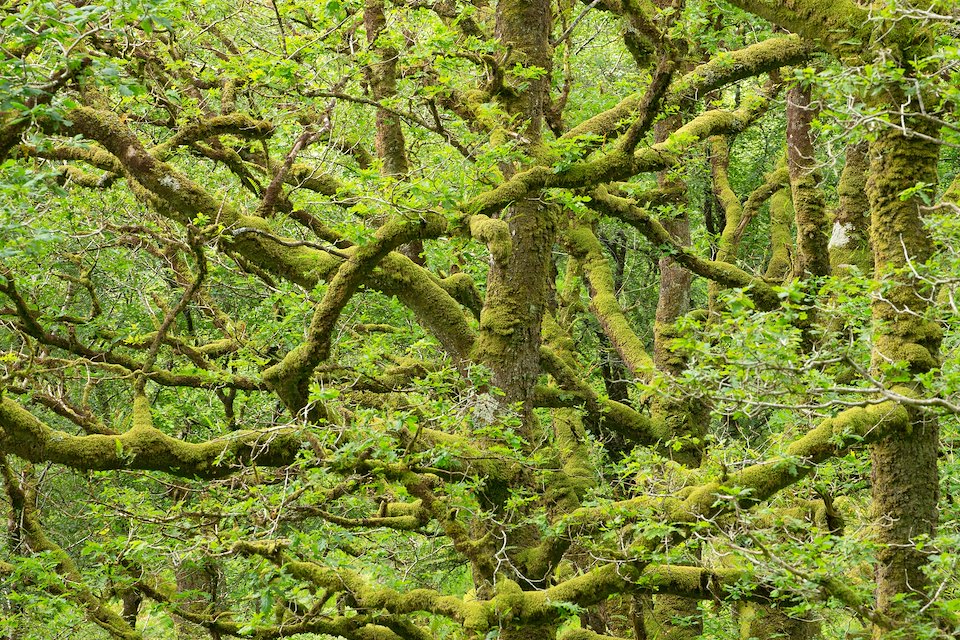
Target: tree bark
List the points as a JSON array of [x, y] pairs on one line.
[[517, 291], [904, 473]]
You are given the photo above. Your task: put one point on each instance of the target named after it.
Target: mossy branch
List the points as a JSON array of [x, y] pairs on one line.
[[143, 447], [181, 199], [759, 482], [732, 207], [722, 273], [630, 424], [237, 124], [718, 72], [843, 27], [361, 593], [772, 182], [493, 232], [617, 164], [603, 301], [290, 377]]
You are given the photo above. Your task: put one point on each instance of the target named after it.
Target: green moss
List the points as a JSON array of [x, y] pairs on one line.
[[603, 301], [493, 232], [780, 265]]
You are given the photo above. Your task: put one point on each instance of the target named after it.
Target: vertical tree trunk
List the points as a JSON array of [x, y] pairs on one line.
[[516, 298], [518, 286], [812, 256], [850, 241], [382, 79], [389, 142], [904, 472]]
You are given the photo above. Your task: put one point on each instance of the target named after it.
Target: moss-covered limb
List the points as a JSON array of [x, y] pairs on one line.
[[722, 70], [304, 176], [754, 484], [237, 124], [573, 450], [843, 27], [146, 448], [95, 157], [83, 417], [849, 243], [200, 355], [725, 274], [617, 417], [290, 377], [772, 182], [121, 363], [813, 257], [649, 106], [770, 622], [409, 522], [181, 199], [23, 501], [493, 232], [584, 634], [462, 288], [732, 208], [952, 193], [599, 583], [780, 265], [222, 622], [360, 592], [153, 350], [617, 165], [603, 301], [831, 438]]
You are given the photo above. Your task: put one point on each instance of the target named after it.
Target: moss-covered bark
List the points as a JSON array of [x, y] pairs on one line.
[[142, 447], [849, 243], [723, 273], [181, 199], [813, 259], [904, 472], [770, 622], [753, 60], [604, 303], [516, 299], [780, 264], [843, 27]]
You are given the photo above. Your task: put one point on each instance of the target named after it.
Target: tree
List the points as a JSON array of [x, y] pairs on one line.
[[511, 319]]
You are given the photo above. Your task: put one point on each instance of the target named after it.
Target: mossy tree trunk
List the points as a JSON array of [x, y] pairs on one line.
[[389, 141], [850, 241], [687, 418], [812, 256], [904, 472], [512, 314], [518, 291]]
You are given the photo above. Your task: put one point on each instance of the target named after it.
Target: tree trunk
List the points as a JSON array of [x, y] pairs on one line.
[[850, 242], [904, 472], [516, 299]]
